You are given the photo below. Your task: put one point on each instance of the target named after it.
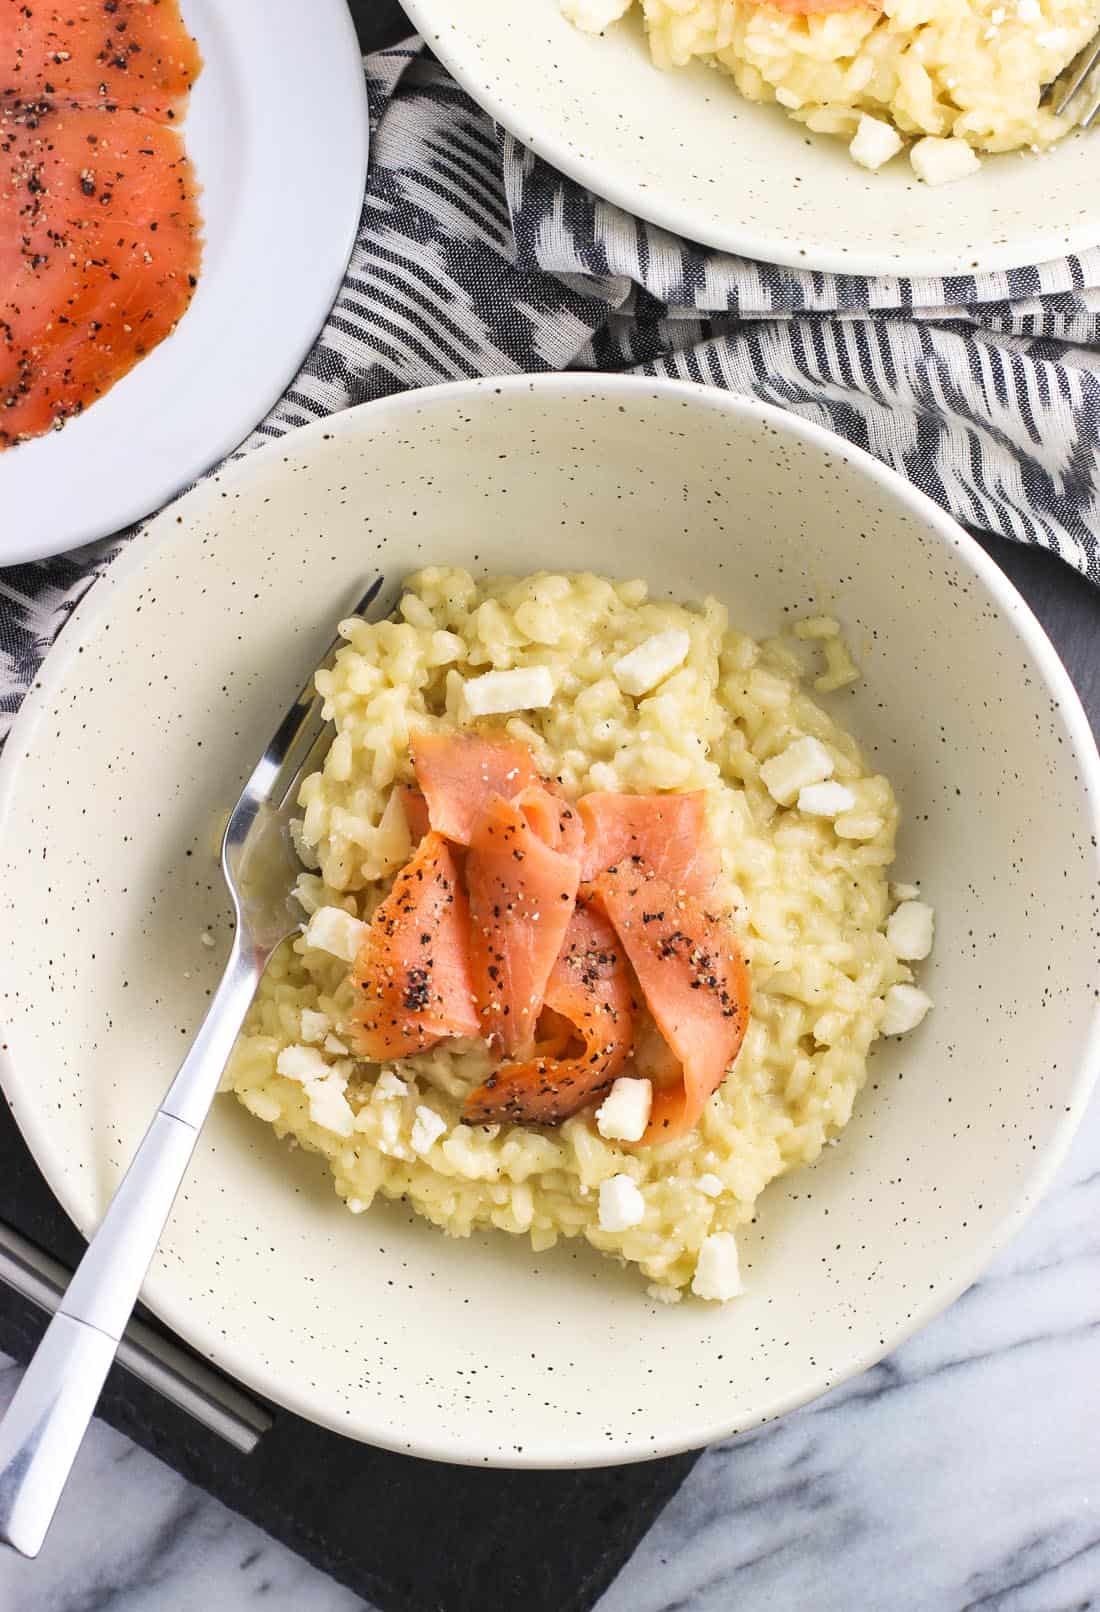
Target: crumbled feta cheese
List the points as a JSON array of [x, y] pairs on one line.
[[939, 162], [874, 143], [428, 1127], [388, 1085], [621, 1204], [334, 1044], [905, 892], [333, 930], [593, 16], [624, 1113], [710, 1186], [652, 661], [525, 688], [328, 1107], [663, 1294], [910, 930], [806, 761], [718, 1270], [301, 1063], [905, 1008], [820, 627], [208, 940], [315, 1026], [825, 800]]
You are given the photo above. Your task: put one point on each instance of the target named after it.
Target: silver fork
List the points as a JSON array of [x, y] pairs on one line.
[[47, 1419], [1075, 92]]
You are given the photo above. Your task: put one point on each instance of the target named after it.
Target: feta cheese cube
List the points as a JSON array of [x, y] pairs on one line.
[[910, 930], [328, 1107], [525, 688], [905, 1008], [388, 1086], [621, 1204], [335, 1045], [428, 1127], [825, 800], [333, 930], [718, 1269], [624, 1113], [652, 661], [661, 1292], [315, 1026], [710, 1186], [301, 1063], [939, 162], [874, 143], [905, 892], [593, 16], [804, 762]]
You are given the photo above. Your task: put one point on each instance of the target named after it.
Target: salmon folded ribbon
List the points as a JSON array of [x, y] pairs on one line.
[[546, 927]]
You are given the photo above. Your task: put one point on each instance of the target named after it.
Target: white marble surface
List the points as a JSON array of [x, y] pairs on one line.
[[963, 1472]]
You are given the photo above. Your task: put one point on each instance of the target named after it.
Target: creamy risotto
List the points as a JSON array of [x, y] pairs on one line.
[[641, 696], [945, 78]]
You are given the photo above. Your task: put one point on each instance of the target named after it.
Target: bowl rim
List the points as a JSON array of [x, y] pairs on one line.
[[446, 40], [461, 1449]]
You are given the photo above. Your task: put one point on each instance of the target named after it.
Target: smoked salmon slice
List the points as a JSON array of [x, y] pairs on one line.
[[695, 984], [666, 835], [553, 819], [100, 237], [99, 254], [416, 812], [413, 969], [460, 773], [522, 895], [589, 992], [132, 53]]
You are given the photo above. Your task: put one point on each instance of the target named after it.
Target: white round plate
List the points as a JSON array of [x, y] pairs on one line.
[[277, 128], [170, 680], [683, 149]]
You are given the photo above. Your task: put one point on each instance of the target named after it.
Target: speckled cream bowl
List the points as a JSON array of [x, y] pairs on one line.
[[685, 150], [168, 682]]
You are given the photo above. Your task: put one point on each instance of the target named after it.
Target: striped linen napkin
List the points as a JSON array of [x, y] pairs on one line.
[[476, 258]]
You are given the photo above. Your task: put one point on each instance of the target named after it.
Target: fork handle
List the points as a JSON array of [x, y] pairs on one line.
[[49, 1414]]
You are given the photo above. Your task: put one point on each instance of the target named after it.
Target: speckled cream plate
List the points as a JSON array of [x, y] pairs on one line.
[[685, 150], [167, 683]]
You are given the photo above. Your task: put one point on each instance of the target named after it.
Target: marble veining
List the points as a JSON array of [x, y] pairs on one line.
[[962, 1472]]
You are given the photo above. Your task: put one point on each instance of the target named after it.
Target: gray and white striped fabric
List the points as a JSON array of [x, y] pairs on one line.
[[475, 258]]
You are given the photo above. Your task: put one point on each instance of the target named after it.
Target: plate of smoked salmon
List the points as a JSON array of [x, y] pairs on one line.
[[180, 184], [656, 1046]]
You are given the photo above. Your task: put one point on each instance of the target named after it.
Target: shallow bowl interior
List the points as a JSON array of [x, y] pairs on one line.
[[168, 682], [685, 150]]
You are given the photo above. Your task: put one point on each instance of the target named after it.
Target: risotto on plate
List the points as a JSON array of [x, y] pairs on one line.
[[599, 927], [942, 79]]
